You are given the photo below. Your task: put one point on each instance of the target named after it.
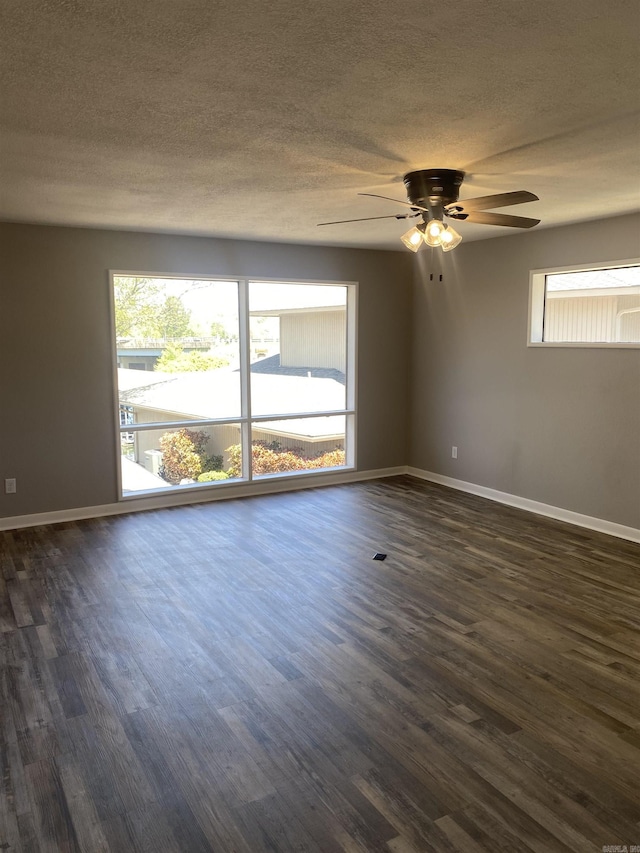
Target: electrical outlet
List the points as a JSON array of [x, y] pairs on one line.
[[10, 486], [454, 452]]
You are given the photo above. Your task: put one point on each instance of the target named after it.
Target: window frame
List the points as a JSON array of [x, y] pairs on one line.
[[245, 420], [537, 299]]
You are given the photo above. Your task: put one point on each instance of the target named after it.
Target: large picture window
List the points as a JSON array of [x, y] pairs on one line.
[[221, 381], [586, 306]]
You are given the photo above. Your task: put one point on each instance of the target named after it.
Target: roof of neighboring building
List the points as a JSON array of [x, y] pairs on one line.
[[129, 378], [272, 365], [135, 478], [621, 277], [216, 393], [305, 429], [278, 312], [277, 297]]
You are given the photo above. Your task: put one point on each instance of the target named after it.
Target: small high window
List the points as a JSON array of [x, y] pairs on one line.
[[592, 306]]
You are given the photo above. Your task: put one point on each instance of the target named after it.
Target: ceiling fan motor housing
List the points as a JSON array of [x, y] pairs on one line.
[[433, 188]]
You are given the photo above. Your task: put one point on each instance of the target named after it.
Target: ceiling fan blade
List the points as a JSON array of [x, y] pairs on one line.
[[488, 202], [369, 218], [485, 218], [397, 201]]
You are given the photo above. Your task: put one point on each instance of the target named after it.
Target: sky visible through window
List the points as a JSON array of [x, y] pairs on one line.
[[595, 279], [211, 300]]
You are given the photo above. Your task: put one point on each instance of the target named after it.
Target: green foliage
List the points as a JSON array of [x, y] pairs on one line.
[[182, 453], [213, 463], [184, 458], [211, 476], [169, 359], [173, 319], [141, 312], [234, 468], [330, 459], [134, 306], [175, 360], [218, 331], [271, 459]]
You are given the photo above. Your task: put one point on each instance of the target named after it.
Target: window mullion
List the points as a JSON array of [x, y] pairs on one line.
[[245, 376]]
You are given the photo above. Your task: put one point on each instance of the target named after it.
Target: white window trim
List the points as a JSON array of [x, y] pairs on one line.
[[246, 420], [535, 319]]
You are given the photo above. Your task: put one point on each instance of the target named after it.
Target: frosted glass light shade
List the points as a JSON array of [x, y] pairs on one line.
[[413, 238], [433, 232], [450, 239]]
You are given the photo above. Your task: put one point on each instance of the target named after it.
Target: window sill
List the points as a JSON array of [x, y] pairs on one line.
[[583, 344], [240, 486]]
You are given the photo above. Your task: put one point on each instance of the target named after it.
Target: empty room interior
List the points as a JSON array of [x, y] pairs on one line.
[[319, 427]]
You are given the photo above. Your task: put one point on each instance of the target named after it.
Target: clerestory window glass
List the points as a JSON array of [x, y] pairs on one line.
[[598, 306]]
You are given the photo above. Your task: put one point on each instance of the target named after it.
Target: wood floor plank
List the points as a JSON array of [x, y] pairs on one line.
[[28, 835], [84, 817], [18, 592], [179, 815], [268, 823], [457, 836], [242, 677], [527, 790], [53, 822]]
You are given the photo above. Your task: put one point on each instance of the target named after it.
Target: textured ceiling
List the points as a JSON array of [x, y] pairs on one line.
[[262, 119]]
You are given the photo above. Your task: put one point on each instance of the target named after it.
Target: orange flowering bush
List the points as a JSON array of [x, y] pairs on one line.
[[182, 454], [271, 459]]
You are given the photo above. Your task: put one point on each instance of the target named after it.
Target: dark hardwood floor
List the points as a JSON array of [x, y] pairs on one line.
[[243, 676]]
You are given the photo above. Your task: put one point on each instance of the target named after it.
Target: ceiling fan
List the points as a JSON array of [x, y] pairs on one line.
[[433, 194]]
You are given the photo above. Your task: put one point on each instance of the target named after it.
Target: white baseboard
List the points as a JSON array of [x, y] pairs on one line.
[[599, 524], [290, 484], [187, 496]]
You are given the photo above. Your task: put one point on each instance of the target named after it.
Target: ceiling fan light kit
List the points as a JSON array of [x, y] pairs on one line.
[[433, 194], [413, 237], [433, 233], [450, 239]]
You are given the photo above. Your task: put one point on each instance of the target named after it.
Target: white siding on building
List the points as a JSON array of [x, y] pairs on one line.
[[309, 448], [221, 436], [591, 318], [630, 327], [316, 339]]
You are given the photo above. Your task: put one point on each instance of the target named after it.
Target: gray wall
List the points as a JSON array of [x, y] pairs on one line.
[[561, 426], [57, 401]]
